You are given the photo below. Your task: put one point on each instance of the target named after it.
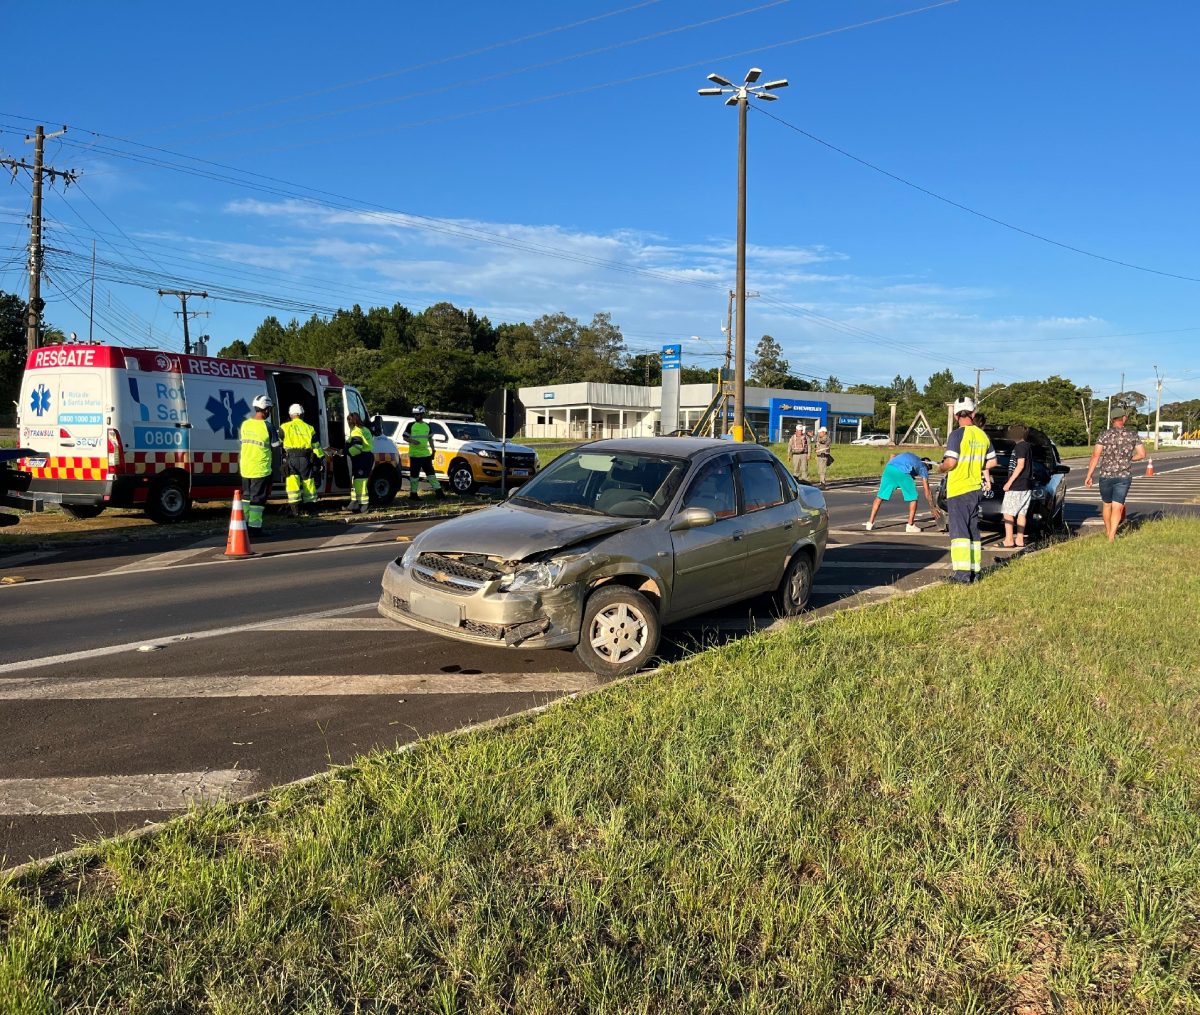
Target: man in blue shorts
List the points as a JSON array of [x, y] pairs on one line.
[[901, 473], [1116, 450]]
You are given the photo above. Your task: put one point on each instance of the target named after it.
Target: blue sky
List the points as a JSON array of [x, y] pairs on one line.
[[488, 154]]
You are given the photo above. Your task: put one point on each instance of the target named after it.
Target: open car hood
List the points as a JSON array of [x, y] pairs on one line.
[[511, 532]]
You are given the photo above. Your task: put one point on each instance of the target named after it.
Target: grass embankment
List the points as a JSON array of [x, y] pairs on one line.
[[957, 802]]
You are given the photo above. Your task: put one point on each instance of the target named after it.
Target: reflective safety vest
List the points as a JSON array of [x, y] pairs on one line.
[[967, 475], [359, 441], [254, 461], [298, 435], [418, 440]]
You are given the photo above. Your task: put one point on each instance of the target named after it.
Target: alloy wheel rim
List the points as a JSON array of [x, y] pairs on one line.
[[618, 633], [800, 583]]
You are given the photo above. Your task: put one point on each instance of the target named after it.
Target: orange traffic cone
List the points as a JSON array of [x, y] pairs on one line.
[[238, 543], [1149, 467]]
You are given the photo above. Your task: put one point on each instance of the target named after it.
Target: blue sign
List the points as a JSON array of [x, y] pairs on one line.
[[80, 418], [548, 396], [849, 420], [671, 356], [40, 402]]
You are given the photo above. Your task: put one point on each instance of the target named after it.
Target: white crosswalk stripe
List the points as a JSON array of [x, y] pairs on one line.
[[1170, 486]]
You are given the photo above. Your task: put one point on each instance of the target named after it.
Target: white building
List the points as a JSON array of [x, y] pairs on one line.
[[586, 410]]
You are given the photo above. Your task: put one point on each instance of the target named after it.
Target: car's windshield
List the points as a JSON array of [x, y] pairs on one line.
[[623, 484], [471, 432]]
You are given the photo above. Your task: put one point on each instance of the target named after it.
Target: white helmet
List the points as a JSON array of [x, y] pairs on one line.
[[296, 409], [418, 410], [263, 402], [964, 404]]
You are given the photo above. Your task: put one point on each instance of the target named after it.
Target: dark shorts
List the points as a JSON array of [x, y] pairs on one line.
[[257, 490], [1114, 489]]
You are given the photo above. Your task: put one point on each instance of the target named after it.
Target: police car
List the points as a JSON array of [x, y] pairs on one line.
[[466, 453]]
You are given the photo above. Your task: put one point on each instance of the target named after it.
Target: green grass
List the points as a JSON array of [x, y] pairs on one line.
[[957, 802], [850, 461]]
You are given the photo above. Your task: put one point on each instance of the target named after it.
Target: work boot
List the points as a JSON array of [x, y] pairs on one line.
[[414, 496], [294, 510], [440, 493], [349, 508]]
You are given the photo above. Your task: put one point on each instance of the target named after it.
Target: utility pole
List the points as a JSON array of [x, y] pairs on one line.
[[739, 95], [185, 313], [33, 310], [1158, 406], [979, 371]]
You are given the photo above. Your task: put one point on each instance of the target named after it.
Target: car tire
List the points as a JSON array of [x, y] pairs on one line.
[[462, 479], [167, 500], [620, 631], [794, 590], [383, 486], [82, 510]]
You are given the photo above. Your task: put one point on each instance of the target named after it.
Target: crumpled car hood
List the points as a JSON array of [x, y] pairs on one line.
[[511, 532]]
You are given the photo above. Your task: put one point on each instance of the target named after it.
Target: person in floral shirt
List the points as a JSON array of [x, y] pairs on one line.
[[1115, 452]]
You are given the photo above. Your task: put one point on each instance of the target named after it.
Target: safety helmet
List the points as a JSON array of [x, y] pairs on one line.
[[964, 405], [295, 409], [263, 402], [418, 410]]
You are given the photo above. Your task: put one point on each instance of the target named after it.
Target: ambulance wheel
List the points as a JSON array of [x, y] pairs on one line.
[[384, 485], [462, 479], [82, 510], [167, 500]]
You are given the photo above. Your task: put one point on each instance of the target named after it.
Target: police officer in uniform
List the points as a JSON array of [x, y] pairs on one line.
[[360, 448], [301, 450], [258, 436], [420, 454]]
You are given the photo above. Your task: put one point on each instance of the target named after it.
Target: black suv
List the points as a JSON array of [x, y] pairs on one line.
[[1049, 482]]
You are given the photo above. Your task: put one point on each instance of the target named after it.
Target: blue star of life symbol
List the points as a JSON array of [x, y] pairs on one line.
[[40, 402], [226, 413]]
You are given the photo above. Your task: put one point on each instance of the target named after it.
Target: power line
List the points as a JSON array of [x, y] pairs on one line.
[[974, 211]]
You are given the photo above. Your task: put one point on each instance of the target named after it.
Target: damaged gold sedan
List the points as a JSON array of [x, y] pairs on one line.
[[611, 541]]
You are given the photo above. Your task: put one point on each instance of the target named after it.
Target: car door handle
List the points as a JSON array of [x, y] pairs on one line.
[[738, 535], [786, 526]]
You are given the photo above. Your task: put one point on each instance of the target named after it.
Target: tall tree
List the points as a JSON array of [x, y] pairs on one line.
[[769, 369], [12, 352], [833, 385], [442, 326]]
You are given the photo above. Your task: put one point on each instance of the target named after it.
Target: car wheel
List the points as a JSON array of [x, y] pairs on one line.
[[620, 631], [385, 483], [167, 500], [793, 592], [82, 510], [462, 479]]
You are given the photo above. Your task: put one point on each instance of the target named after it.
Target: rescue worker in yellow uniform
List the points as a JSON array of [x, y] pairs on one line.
[[968, 458], [420, 455], [301, 449], [258, 436], [360, 448]]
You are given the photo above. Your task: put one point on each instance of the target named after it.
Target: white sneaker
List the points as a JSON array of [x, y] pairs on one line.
[[912, 529], [868, 526]]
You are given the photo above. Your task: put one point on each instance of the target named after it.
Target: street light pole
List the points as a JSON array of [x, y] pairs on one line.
[[739, 95]]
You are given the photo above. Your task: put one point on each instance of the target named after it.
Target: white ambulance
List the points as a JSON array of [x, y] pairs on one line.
[[120, 427]]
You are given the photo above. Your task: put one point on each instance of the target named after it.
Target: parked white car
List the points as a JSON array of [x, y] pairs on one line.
[[873, 439]]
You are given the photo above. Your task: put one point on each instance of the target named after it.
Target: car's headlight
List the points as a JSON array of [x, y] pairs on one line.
[[410, 556], [533, 577], [489, 454]]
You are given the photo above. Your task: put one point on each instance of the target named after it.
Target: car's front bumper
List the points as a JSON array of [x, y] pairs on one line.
[[486, 616]]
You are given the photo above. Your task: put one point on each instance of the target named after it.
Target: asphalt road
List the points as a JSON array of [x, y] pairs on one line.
[[139, 678]]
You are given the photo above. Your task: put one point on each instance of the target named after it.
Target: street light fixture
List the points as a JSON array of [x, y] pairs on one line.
[[739, 95]]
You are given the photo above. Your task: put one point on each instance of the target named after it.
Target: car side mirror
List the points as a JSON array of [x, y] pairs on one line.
[[1060, 469], [439, 438], [692, 518]]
